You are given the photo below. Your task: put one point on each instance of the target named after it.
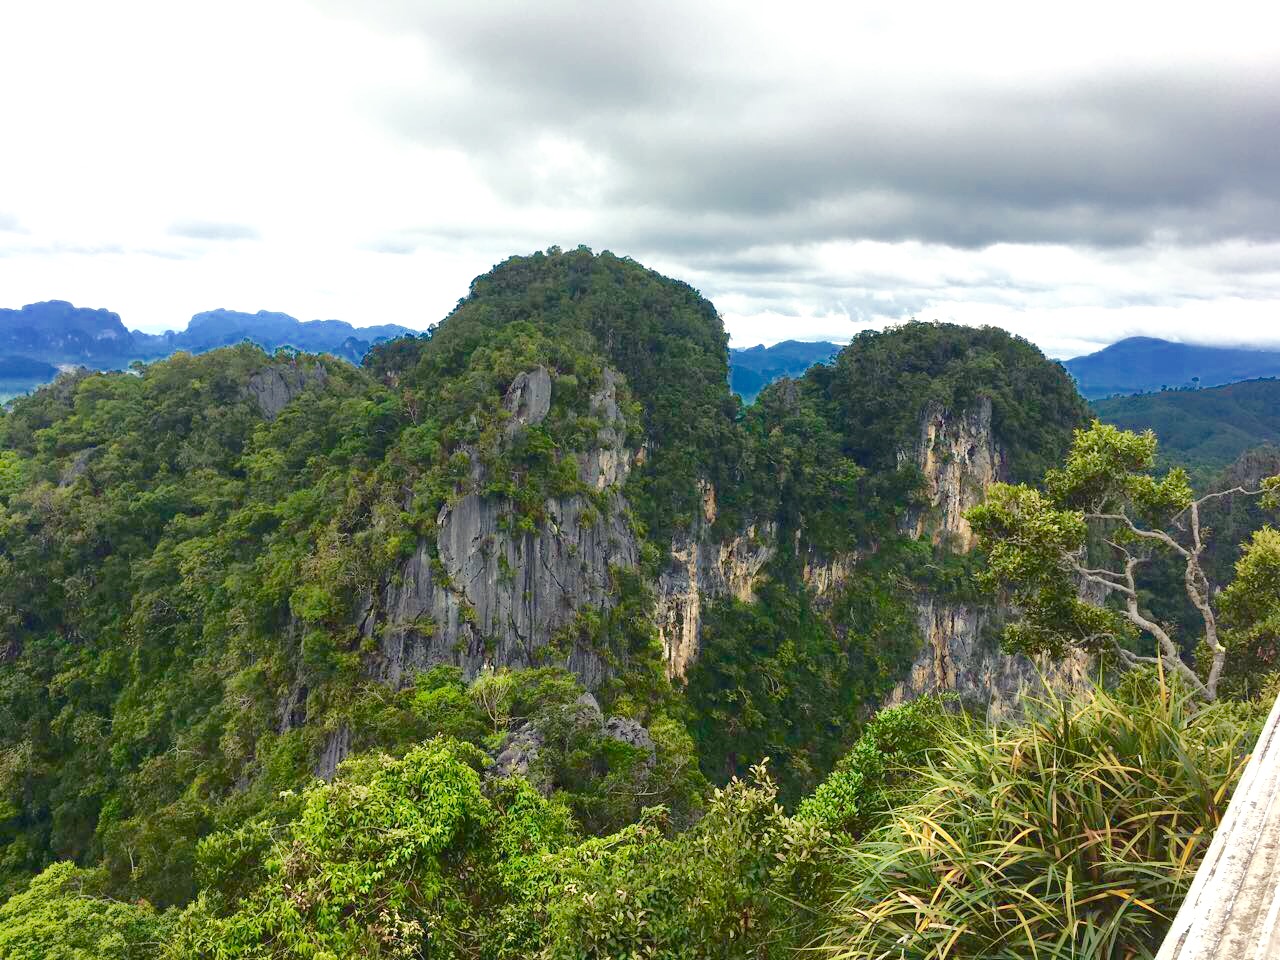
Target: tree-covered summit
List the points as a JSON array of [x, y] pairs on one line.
[[881, 382], [661, 334]]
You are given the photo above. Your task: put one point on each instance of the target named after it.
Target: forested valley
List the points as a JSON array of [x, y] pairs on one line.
[[528, 638]]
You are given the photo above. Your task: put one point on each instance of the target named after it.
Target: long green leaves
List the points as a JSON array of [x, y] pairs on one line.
[[1073, 835]]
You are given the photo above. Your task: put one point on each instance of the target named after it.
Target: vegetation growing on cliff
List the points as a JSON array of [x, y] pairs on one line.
[[193, 561], [183, 571], [1070, 554]]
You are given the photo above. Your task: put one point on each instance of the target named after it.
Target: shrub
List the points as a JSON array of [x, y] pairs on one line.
[[1075, 834]]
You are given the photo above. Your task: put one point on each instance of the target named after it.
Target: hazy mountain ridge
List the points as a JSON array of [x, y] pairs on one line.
[[39, 337], [751, 369], [1148, 364]]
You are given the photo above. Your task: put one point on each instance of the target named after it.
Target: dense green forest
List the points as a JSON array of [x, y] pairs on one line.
[[1204, 430], [203, 572]]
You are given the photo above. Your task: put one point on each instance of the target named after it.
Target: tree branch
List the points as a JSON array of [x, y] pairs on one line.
[[1137, 531], [1096, 576], [1168, 649]]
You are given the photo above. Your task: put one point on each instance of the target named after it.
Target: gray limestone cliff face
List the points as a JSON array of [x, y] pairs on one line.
[[492, 596], [703, 569], [960, 458], [961, 654], [273, 388], [486, 595]]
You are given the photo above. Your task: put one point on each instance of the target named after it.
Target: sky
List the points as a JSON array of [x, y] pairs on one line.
[[1076, 173]]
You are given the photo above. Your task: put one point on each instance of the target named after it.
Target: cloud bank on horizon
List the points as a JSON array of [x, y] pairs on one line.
[[1076, 175]]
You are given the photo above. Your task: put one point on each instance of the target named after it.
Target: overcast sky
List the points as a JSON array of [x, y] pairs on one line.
[[1075, 173]]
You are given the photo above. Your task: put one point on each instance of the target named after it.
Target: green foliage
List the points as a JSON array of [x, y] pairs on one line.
[[12, 475], [394, 858], [1073, 835], [1203, 430], [880, 384], [781, 678], [721, 890], [62, 914], [1251, 616], [868, 779], [1069, 555]]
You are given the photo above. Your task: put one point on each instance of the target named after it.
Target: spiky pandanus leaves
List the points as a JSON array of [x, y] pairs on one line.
[[1074, 835]]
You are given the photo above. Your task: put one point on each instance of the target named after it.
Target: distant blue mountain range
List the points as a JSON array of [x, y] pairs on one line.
[[751, 369], [1135, 365], [1147, 365], [40, 337]]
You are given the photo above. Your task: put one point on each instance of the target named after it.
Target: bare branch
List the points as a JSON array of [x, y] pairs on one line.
[[1168, 649], [1137, 531], [1227, 493], [1096, 576]]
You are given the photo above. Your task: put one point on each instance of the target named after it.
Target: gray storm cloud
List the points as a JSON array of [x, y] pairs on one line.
[[1074, 174], [688, 126]]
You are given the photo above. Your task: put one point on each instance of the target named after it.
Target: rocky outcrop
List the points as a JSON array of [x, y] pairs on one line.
[[705, 569], [959, 457], [517, 754], [337, 748], [528, 399], [961, 654], [485, 594], [273, 388]]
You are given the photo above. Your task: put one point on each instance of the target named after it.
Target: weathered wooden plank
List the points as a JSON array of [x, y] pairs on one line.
[[1232, 911]]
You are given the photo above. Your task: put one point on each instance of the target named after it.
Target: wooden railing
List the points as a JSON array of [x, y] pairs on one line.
[[1232, 911]]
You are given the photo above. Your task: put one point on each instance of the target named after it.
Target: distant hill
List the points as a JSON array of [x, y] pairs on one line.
[[220, 328], [1202, 428], [751, 369], [38, 338], [1147, 364], [57, 332]]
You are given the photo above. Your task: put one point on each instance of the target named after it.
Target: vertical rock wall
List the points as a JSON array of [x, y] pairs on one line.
[[705, 569], [959, 458], [491, 595], [961, 654]]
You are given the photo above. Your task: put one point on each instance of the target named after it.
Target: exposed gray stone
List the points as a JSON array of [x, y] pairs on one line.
[[528, 399], [961, 654], [78, 467], [497, 597], [960, 458], [274, 387], [517, 752], [589, 709], [633, 734], [336, 749]]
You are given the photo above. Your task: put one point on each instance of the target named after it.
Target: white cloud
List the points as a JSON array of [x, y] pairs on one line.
[[1075, 175]]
